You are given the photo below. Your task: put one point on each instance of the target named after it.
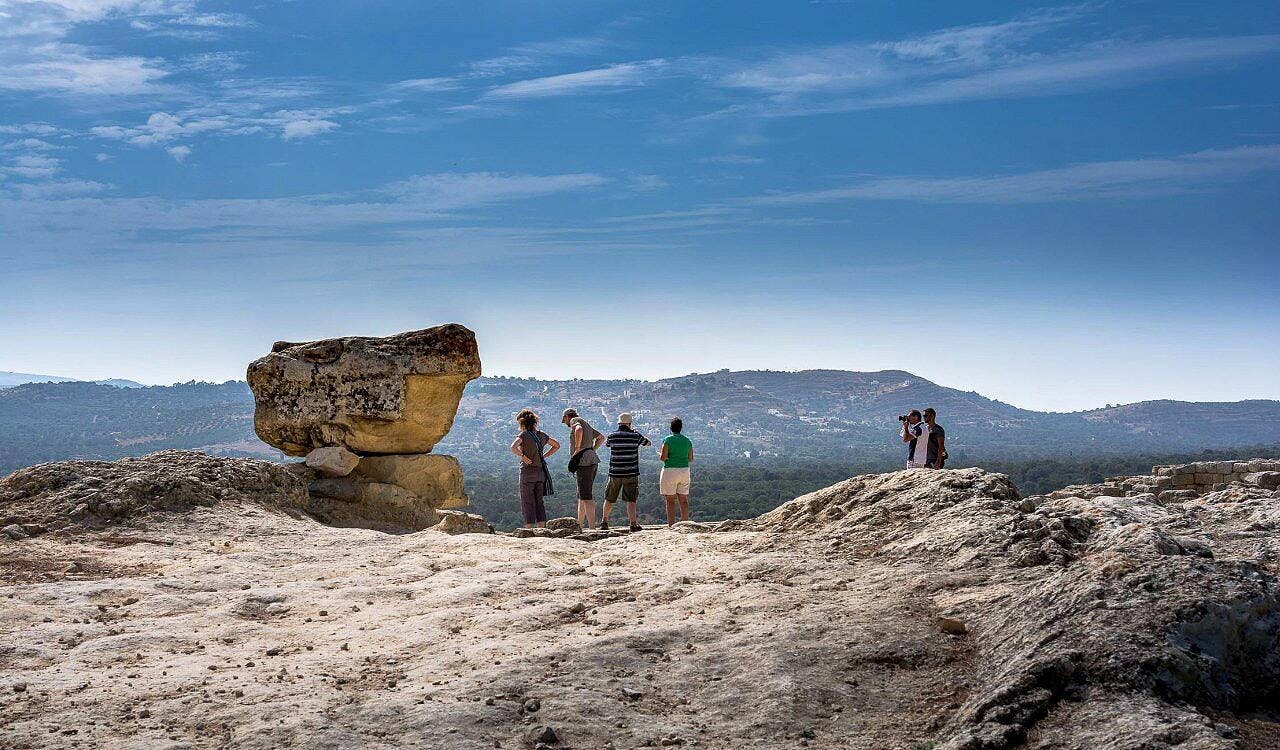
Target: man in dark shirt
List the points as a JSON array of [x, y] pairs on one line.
[[936, 456], [624, 470]]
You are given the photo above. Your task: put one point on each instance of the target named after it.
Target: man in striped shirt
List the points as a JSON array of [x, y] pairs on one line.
[[624, 470]]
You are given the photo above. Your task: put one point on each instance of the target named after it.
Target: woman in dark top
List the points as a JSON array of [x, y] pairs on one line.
[[531, 446]]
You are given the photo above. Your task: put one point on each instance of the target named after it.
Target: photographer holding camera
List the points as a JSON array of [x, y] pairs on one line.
[[912, 431]]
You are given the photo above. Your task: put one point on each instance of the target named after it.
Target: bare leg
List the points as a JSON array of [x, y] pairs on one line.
[[582, 512], [608, 508], [631, 514], [671, 508], [590, 506], [684, 507]]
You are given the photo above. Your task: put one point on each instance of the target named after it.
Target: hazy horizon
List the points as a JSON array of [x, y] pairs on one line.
[[652, 378], [1056, 205]]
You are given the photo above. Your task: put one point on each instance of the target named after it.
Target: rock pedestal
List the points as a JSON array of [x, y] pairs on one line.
[[366, 413]]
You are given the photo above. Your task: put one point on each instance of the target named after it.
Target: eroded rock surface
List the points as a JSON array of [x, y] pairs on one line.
[[907, 610], [396, 394]]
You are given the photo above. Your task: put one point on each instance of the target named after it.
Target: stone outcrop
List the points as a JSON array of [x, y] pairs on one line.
[[72, 495], [457, 522], [915, 609], [396, 394], [433, 477], [366, 412], [1099, 615]]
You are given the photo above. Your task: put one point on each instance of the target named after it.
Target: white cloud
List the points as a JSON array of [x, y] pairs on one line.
[[53, 189], [534, 55], [227, 119], [297, 129], [1128, 178], [161, 127], [428, 85], [450, 190], [103, 157], [32, 128], [179, 153], [394, 207], [970, 63], [33, 166], [647, 183], [67, 68], [610, 77], [31, 144], [38, 56], [214, 62]]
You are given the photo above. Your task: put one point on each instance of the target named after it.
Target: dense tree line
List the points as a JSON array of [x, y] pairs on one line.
[[744, 489]]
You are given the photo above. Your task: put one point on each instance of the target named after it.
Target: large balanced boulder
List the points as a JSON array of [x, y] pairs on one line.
[[396, 394]]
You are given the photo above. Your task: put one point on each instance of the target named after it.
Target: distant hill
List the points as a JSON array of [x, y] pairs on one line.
[[11, 379], [781, 417]]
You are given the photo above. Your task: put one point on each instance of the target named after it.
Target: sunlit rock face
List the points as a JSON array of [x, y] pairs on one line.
[[395, 395]]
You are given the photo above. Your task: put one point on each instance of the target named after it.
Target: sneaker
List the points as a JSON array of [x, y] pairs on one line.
[[635, 527], [604, 524]]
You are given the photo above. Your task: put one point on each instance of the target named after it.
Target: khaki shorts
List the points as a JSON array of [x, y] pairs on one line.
[[674, 481], [628, 487]]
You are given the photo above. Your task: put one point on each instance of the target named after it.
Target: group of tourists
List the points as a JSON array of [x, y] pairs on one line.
[[534, 447], [925, 439]]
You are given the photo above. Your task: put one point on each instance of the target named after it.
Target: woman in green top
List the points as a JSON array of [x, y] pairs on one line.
[[676, 454]]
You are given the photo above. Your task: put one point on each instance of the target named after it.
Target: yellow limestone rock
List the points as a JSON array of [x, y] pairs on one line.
[[435, 478], [397, 394]]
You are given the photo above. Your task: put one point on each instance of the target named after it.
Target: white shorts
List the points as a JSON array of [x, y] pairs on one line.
[[674, 481]]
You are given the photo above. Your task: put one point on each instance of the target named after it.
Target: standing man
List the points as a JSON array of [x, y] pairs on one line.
[[624, 470], [676, 454], [584, 462], [912, 431], [936, 454]]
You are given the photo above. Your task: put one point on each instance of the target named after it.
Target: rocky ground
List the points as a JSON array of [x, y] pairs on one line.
[[189, 602]]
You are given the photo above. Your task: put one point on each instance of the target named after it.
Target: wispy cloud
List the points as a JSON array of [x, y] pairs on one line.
[[530, 56], [32, 166], [451, 191], [428, 85], [30, 144], [1012, 59], [306, 128], [38, 54], [1109, 179], [30, 128], [621, 75], [731, 159], [225, 119], [57, 189], [423, 198], [179, 153]]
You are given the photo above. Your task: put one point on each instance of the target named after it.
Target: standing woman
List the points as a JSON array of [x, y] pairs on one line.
[[535, 480], [676, 454]]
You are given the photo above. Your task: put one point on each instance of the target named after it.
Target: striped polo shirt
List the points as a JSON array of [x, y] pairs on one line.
[[624, 452]]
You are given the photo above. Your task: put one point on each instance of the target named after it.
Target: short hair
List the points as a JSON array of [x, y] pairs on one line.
[[930, 412], [527, 419], [677, 424], [914, 413], [570, 412]]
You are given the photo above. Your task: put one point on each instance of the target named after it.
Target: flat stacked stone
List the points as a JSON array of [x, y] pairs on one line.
[[366, 413]]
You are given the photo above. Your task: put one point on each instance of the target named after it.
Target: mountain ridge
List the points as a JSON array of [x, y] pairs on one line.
[[10, 379], [795, 416]]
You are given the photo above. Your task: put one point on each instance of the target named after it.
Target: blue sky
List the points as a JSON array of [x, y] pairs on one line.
[[1059, 206]]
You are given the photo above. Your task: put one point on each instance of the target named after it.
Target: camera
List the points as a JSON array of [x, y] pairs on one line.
[[902, 417]]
